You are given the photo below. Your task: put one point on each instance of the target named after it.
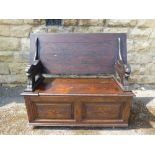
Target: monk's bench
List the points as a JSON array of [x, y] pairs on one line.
[[78, 80]]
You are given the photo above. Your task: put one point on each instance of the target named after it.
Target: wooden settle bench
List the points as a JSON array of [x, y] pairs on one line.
[[78, 79]]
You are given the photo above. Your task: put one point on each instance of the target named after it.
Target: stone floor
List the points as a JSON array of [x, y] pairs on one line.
[[13, 118]]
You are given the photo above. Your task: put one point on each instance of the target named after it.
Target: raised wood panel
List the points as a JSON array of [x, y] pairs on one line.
[[78, 111], [102, 111], [80, 54], [54, 110]]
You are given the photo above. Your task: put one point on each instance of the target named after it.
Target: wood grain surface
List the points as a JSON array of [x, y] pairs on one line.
[[78, 101], [81, 86], [79, 54]]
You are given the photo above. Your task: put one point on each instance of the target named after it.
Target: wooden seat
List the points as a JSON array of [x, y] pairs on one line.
[[81, 86], [98, 96]]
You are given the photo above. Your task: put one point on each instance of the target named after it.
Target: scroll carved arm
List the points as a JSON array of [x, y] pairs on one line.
[[34, 72], [33, 69], [123, 70], [34, 75]]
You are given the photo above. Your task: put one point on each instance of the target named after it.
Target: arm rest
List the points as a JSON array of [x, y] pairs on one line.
[[34, 69], [123, 71], [34, 75]]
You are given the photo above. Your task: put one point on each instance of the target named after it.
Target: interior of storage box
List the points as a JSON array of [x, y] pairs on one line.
[[81, 86]]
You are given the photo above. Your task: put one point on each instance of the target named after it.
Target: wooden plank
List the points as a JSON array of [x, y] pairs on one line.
[[78, 54], [87, 124], [80, 86]]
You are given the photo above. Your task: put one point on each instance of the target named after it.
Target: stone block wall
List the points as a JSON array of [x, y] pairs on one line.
[[14, 44]]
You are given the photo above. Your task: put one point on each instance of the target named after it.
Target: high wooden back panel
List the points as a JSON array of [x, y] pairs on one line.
[[79, 54]]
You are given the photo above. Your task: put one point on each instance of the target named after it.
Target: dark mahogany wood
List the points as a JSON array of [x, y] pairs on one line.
[[82, 54], [78, 110], [81, 86], [103, 101], [79, 102]]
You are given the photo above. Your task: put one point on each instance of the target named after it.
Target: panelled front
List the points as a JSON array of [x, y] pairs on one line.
[[50, 109], [54, 110], [106, 109], [78, 110], [101, 111]]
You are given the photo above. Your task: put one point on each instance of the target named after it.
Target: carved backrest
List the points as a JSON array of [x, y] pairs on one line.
[[78, 53]]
